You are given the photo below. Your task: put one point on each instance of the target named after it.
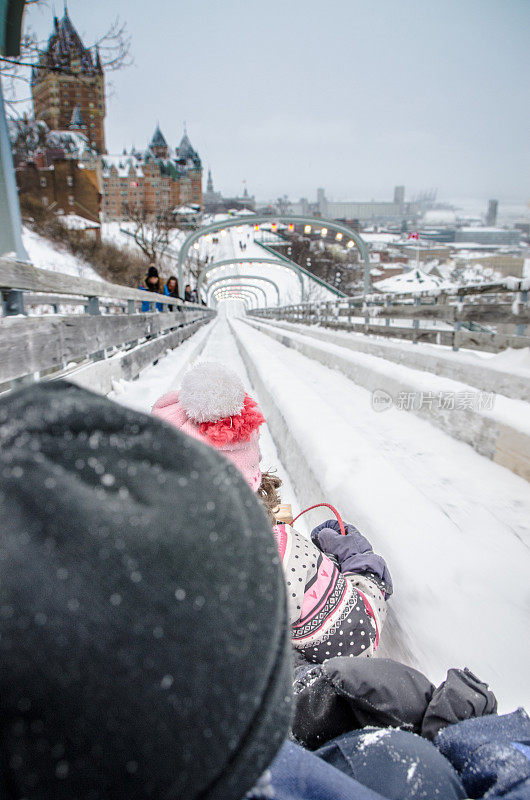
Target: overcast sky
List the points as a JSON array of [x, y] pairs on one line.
[[352, 95]]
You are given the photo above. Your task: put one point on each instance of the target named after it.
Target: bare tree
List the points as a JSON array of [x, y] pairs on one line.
[[151, 232], [194, 267], [112, 49]]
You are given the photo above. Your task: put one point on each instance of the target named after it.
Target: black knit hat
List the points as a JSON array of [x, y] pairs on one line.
[[152, 272], [144, 649]]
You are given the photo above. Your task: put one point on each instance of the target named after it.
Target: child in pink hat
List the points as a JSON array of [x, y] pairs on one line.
[[212, 406], [336, 585]]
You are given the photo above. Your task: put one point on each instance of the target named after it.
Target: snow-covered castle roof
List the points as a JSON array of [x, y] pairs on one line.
[[158, 138], [186, 156], [65, 47]]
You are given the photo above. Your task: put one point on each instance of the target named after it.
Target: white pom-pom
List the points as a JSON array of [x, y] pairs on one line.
[[211, 392]]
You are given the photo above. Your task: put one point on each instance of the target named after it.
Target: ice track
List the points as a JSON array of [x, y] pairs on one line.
[[453, 526]]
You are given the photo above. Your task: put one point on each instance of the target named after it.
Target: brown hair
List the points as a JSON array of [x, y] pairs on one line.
[[268, 494]]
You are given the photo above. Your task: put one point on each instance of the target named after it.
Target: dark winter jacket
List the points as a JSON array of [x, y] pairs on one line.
[[345, 694], [492, 755], [146, 304], [138, 581], [364, 765], [483, 757]]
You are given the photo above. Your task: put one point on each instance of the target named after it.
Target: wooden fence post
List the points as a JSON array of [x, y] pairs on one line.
[[416, 322], [520, 330], [93, 306], [13, 303]]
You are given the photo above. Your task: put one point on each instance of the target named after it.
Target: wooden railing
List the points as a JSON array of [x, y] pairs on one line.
[[53, 323], [484, 317]]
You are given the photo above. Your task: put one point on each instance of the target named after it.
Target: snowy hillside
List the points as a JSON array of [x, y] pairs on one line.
[[45, 254]]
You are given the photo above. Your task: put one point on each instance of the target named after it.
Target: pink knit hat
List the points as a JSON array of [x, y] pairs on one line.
[[212, 406]]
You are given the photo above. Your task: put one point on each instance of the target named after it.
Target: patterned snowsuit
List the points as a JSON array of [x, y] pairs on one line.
[[331, 613]]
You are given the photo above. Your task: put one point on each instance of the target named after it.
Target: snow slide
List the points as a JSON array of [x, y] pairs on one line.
[[452, 525]]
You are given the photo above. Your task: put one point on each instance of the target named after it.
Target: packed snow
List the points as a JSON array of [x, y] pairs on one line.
[[453, 525], [243, 242]]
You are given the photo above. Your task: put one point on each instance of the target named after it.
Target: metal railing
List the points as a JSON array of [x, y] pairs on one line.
[[483, 317], [52, 323]]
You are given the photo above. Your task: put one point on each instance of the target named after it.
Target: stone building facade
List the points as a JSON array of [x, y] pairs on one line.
[[157, 181], [65, 186], [56, 93], [57, 168]]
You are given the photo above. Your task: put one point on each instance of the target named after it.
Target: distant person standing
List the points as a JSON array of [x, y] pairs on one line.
[[152, 283], [188, 294], [171, 289]]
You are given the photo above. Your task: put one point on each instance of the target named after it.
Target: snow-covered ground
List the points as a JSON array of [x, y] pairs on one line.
[[412, 281], [475, 365], [454, 527], [45, 254], [242, 242]]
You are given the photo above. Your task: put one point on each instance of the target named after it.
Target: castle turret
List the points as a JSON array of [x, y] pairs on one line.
[[67, 75], [158, 145]]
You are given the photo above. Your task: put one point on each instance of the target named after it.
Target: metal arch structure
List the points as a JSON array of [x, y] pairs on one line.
[[249, 288], [242, 294], [239, 290], [303, 271], [240, 297], [235, 290], [257, 219], [276, 262], [245, 278]]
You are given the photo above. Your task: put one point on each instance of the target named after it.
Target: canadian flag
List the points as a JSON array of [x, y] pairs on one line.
[[414, 236]]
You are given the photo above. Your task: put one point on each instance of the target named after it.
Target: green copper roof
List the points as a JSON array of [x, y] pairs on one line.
[[10, 26], [158, 139]]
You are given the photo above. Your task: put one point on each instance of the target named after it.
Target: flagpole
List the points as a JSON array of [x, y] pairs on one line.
[[416, 236]]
